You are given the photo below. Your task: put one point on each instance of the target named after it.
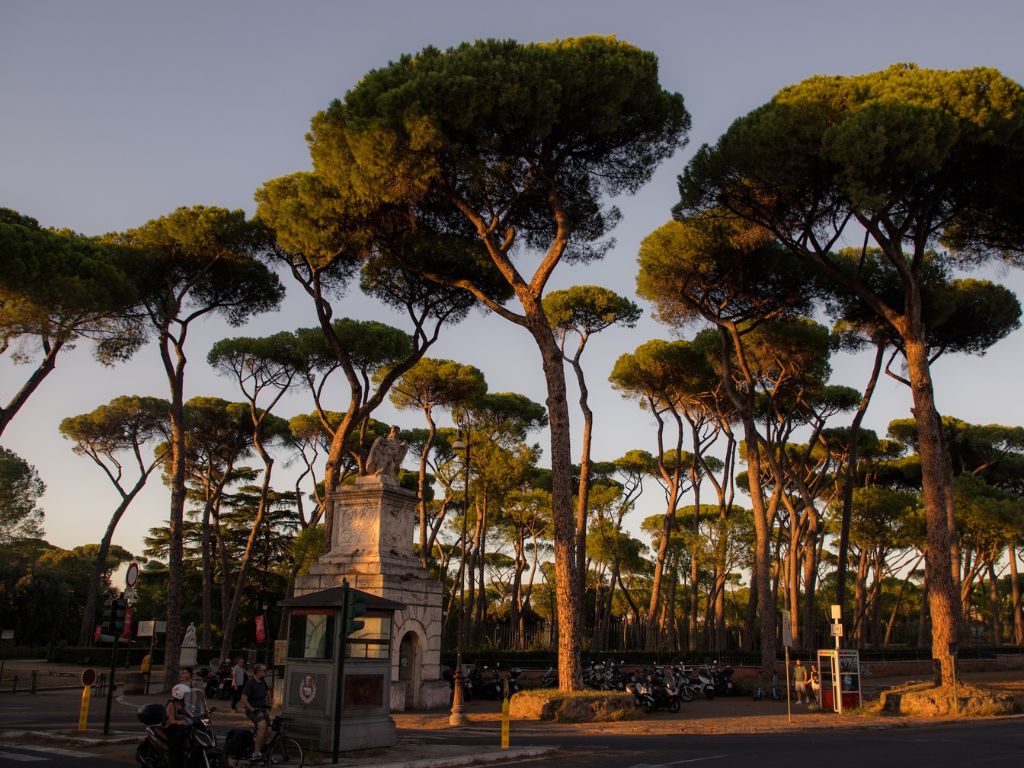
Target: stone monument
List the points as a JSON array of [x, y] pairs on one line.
[[189, 647], [371, 545]]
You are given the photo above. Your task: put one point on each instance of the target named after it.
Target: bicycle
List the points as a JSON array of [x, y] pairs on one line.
[[281, 750]]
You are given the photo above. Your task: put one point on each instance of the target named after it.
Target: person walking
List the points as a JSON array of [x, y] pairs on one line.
[[800, 682], [815, 686], [237, 682]]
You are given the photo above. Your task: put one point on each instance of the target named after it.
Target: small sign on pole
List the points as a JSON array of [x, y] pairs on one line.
[[837, 630], [280, 652], [131, 577], [787, 629], [146, 629]]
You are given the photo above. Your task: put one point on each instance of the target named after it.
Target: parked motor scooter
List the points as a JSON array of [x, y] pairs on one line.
[[657, 693], [199, 742]]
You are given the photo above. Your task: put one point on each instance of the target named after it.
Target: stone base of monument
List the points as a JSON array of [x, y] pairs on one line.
[[372, 548], [187, 655]]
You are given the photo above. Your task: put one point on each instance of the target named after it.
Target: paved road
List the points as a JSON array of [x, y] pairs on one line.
[[45, 756], [976, 744]]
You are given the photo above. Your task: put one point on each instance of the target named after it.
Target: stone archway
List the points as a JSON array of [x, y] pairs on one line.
[[410, 666]]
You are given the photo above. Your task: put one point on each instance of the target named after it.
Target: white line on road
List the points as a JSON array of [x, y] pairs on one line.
[[680, 762], [49, 750], [20, 758]]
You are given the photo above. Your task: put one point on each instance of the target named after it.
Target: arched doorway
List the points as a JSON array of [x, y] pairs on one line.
[[410, 663]]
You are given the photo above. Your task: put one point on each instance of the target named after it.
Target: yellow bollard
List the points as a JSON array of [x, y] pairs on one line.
[[83, 713], [88, 678], [504, 723]]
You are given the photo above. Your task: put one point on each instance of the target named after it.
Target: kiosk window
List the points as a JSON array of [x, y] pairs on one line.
[[311, 634], [373, 640]]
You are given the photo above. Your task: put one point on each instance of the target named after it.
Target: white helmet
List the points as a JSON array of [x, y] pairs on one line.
[[180, 691]]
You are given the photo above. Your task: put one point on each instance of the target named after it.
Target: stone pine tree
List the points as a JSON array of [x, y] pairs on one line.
[[187, 265], [521, 143], [57, 288], [324, 239], [429, 384], [580, 312], [904, 160], [702, 270], [264, 369], [114, 435]]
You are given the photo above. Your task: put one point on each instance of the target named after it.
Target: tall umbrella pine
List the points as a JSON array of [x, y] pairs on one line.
[[523, 143], [57, 289], [661, 375], [429, 384], [909, 158], [264, 370], [106, 435], [324, 239], [707, 269], [579, 312], [189, 264]]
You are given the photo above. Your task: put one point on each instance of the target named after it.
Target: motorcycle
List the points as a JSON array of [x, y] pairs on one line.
[[654, 693], [550, 679], [199, 742], [493, 685], [721, 678]]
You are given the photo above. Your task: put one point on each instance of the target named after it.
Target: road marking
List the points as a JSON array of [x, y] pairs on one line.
[[20, 758], [50, 750], [680, 762]]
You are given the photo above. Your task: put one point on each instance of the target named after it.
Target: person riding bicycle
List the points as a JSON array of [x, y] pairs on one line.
[[256, 703]]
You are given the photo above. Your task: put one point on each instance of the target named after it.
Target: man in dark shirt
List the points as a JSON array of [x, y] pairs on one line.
[[256, 703]]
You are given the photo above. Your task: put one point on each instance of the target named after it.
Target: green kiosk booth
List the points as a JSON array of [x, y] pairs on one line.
[[320, 711]]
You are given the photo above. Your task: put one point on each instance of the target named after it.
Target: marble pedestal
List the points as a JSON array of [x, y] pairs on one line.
[[372, 547]]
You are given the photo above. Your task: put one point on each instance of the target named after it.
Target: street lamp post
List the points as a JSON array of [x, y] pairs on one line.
[[458, 714]]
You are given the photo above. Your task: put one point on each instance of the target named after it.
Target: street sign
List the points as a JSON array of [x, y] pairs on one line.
[[146, 628], [88, 676], [837, 630], [161, 628], [280, 652], [787, 629], [837, 612], [131, 577]]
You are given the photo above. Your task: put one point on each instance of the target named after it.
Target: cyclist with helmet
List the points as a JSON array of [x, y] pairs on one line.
[[176, 724]]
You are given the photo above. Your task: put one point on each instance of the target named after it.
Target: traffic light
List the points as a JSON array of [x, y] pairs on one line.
[[104, 617], [356, 608], [118, 609]]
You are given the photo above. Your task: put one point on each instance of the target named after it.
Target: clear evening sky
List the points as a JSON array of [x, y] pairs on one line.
[[113, 113]]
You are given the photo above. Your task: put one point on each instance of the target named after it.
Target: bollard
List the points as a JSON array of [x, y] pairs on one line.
[[504, 715]]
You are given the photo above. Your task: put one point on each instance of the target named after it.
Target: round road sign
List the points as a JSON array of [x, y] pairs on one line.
[[88, 676], [132, 576]]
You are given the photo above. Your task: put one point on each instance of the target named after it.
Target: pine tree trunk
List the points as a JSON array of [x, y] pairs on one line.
[[935, 482], [175, 370], [1018, 615], [567, 586]]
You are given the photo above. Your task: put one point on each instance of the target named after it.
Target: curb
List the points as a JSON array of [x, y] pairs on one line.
[[68, 739]]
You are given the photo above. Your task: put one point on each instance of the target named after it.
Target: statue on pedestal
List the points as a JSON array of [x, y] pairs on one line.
[[187, 654], [386, 455]]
